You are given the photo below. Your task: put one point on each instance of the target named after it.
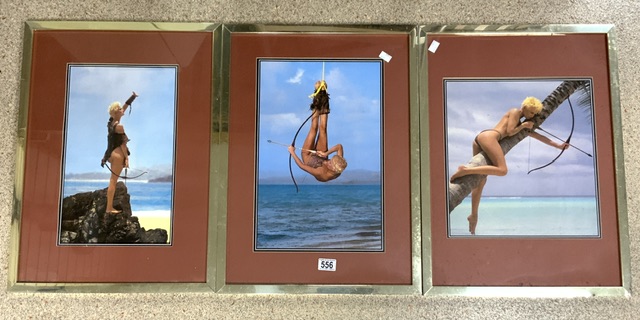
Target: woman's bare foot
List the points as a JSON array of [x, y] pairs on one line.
[[460, 173], [113, 211], [473, 221]]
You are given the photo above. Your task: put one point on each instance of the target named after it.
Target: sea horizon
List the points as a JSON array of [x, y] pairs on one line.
[[532, 196]]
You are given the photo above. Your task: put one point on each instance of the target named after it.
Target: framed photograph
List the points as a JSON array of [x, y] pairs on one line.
[[114, 158], [525, 164], [352, 220], [546, 207], [149, 186], [320, 169]]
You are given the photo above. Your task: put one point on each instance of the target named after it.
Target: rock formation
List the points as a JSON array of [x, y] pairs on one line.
[[84, 220]]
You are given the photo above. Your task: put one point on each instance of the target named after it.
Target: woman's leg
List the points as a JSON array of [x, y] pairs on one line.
[[117, 163], [491, 147], [476, 195], [322, 144], [310, 141]]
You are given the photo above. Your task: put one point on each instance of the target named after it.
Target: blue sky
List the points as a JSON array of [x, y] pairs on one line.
[[91, 88], [473, 106], [355, 119]]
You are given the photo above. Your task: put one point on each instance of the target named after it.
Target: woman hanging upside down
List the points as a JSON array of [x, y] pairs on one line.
[[489, 142], [315, 152]]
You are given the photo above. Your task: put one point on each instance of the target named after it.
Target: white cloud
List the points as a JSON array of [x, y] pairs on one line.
[[114, 83], [280, 123], [297, 79]]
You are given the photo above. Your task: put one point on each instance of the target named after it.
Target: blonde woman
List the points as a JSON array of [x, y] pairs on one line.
[[489, 142], [117, 153]]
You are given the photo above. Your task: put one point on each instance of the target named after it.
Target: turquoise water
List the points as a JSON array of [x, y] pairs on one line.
[[529, 216], [319, 217], [145, 196]]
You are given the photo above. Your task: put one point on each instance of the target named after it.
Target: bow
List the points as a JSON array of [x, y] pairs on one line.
[[567, 141], [293, 143], [125, 173]]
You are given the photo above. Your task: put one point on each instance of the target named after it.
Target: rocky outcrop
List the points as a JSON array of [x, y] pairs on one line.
[[84, 220]]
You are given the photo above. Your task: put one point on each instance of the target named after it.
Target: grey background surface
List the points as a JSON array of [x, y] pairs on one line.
[[13, 14]]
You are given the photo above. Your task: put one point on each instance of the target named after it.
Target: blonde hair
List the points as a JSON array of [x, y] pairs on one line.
[[339, 163], [113, 107], [533, 104]]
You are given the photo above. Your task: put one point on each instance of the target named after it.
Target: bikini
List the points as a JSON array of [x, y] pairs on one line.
[[315, 161], [520, 122], [499, 135]]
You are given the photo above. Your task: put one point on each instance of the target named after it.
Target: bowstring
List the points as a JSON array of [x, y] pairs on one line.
[[529, 157], [568, 140]]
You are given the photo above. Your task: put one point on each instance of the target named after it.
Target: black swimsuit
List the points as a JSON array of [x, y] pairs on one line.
[[114, 140]]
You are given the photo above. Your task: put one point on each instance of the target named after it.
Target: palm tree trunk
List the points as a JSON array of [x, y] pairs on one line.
[[463, 186]]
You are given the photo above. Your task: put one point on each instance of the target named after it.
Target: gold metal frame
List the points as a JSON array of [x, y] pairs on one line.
[[523, 30], [419, 166], [30, 28], [220, 169], [218, 166]]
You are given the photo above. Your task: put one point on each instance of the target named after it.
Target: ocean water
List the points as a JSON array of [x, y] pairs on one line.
[[319, 217], [147, 199], [529, 216]]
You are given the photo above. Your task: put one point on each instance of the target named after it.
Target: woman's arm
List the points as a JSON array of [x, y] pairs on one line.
[[336, 148], [311, 170], [126, 155], [548, 141], [513, 123], [129, 101], [125, 150]]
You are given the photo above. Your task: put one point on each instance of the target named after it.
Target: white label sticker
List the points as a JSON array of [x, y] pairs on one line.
[[385, 56], [327, 264], [434, 46]]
